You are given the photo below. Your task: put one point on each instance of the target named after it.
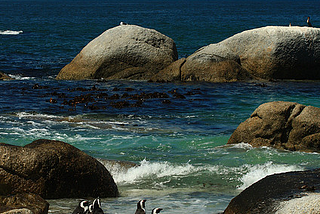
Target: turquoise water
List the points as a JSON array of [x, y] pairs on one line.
[[179, 144]]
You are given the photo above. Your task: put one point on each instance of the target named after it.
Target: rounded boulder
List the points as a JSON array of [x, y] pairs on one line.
[[122, 52], [275, 52], [54, 169], [282, 125]]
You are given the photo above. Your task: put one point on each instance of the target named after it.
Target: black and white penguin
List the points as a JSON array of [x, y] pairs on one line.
[[123, 23], [95, 207], [308, 21], [141, 207], [82, 208], [156, 210]]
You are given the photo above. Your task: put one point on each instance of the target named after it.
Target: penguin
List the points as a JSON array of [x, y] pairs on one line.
[[82, 208], [95, 207], [123, 23], [141, 207], [156, 210], [308, 21]]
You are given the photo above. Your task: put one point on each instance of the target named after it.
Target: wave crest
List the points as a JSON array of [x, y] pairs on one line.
[[10, 32], [148, 169], [260, 171]]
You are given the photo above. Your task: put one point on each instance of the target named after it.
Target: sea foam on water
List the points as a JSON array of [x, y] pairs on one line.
[[10, 32], [260, 171]]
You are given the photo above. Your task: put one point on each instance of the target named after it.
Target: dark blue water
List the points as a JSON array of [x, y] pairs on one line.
[[179, 141]]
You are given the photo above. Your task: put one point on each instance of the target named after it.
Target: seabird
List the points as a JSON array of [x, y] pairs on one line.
[[156, 210], [308, 21], [141, 207], [95, 207], [82, 208], [123, 23]]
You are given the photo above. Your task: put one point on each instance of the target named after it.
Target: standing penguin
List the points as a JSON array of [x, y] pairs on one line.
[[141, 207], [308, 21], [95, 207], [82, 208], [156, 210]]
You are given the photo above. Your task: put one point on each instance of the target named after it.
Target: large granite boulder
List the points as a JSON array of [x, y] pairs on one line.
[[266, 53], [275, 52], [54, 169], [282, 125], [203, 66], [206, 66], [23, 203], [122, 52], [270, 193]]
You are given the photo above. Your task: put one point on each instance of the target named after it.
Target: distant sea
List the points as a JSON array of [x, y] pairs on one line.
[[179, 143]]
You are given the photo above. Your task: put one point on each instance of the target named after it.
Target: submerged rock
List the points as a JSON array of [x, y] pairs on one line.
[[54, 169], [23, 203], [122, 52], [4, 76], [282, 125], [267, 195]]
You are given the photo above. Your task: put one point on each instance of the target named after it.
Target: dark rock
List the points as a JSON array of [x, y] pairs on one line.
[[129, 89], [25, 202], [120, 104], [37, 86], [54, 169], [166, 101], [114, 97], [282, 125], [264, 196]]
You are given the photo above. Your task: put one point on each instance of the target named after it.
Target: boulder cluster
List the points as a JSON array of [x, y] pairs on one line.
[[54, 169], [281, 125], [137, 53]]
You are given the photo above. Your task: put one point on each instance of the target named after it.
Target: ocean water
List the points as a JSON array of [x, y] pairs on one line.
[[177, 142]]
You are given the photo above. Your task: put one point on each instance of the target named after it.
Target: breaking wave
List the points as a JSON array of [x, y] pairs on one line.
[[260, 171], [148, 169], [10, 32], [166, 173]]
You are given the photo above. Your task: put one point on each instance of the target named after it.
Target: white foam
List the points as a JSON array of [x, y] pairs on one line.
[[257, 172], [10, 32], [150, 169], [19, 77], [309, 203], [35, 115], [242, 145]]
